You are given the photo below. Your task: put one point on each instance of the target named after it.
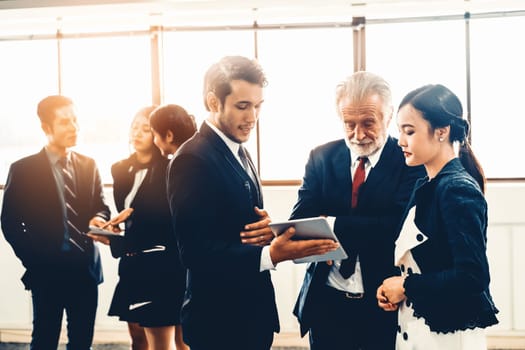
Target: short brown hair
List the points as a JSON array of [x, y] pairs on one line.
[[47, 107], [220, 75]]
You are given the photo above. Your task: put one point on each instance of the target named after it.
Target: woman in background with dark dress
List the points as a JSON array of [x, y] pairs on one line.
[[171, 126], [150, 290]]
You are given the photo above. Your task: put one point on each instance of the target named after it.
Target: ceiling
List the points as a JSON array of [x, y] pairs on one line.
[[17, 16]]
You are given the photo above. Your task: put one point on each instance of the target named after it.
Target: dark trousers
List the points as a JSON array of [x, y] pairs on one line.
[[79, 301], [344, 323]]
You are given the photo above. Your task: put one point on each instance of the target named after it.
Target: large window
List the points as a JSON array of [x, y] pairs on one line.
[[303, 67], [187, 56], [498, 73], [109, 80], [109, 76], [28, 71], [409, 55]]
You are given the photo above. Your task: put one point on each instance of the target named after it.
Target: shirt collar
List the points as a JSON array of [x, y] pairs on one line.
[[372, 159], [54, 157], [232, 145]]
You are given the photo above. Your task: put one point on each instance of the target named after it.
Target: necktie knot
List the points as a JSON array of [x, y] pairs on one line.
[[362, 162], [62, 161], [244, 159]]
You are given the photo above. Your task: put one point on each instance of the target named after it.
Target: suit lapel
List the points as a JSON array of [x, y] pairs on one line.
[[216, 141], [79, 174], [341, 165], [376, 177], [47, 181]]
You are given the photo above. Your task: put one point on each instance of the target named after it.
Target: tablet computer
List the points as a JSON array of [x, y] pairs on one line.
[[311, 228], [101, 232]]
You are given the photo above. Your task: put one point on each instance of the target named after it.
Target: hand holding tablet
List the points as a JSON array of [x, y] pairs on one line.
[[307, 229], [103, 232]]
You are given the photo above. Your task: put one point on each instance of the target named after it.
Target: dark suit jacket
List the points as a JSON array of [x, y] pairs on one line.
[[211, 199], [370, 229], [33, 222]]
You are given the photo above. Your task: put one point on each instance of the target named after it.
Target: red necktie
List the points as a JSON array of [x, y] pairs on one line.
[[359, 178], [347, 267]]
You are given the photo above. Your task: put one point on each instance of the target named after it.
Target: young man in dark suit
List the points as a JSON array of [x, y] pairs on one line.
[[216, 203], [50, 199], [337, 302]]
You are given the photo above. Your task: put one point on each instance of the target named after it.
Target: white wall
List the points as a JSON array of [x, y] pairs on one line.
[[505, 250]]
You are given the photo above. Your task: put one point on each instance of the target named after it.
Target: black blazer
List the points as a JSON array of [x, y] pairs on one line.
[[150, 222], [368, 230], [452, 291], [33, 222], [149, 225], [211, 199]]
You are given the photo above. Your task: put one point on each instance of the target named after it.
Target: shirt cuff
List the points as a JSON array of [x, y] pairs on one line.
[[102, 215], [266, 260], [331, 221]]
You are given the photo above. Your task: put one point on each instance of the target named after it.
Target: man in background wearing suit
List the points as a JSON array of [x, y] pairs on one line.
[[44, 223], [216, 203], [336, 302]]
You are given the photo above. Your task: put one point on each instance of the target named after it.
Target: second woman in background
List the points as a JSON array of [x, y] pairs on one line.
[[152, 281], [171, 126]]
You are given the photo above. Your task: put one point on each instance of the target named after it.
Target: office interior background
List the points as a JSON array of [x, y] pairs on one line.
[[114, 57]]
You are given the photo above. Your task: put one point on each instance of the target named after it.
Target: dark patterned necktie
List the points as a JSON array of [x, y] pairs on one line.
[[71, 202], [347, 267], [246, 164], [250, 170]]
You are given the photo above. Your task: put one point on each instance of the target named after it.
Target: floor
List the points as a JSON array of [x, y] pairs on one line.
[[15, 339]]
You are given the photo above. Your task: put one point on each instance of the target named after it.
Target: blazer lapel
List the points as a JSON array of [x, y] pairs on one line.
[[79, 173], [376, 176], [216, 141], [47, 182], [341, 165]]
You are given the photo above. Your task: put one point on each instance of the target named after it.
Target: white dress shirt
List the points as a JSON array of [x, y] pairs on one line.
[[354, 283]]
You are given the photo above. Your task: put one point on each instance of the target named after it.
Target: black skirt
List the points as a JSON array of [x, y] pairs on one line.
[[150, 290]]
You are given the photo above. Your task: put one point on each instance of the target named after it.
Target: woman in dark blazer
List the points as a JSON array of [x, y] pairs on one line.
[[443, 293], [152, 281]]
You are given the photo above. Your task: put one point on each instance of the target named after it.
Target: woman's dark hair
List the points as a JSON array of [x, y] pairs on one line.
[[441, 108], [175, 119], [145, 111]]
